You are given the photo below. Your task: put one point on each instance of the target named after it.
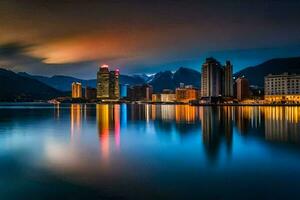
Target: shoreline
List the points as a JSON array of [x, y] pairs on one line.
[[140, 103]]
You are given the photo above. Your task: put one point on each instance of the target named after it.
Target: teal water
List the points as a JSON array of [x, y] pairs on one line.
[[149, 152]]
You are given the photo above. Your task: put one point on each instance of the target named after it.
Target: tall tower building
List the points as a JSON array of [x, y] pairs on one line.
[[242, 88], [76, 90], [114, 90], [216, 80], [108, 83], [103, 82], [228, 80], [211, 80]]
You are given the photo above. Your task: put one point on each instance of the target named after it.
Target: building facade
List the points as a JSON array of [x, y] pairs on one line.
[[76, 90], [216, 80], [284, 88], [228, 80], [140, 92], [114, 87], [107, 83], [90, 93], [166, 96], [242, 88], [186, 94]]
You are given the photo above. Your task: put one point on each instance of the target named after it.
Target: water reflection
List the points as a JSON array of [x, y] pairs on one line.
[[108, 122], [76, 119], [115, 148], [282, 124], [216, 124]]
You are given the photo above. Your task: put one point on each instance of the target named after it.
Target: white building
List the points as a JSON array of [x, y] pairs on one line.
[[282, 88]]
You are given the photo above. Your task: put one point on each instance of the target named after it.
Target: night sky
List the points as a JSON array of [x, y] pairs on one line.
[[74, 37]]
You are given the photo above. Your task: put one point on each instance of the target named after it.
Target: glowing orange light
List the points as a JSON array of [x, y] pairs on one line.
[[104, 66]]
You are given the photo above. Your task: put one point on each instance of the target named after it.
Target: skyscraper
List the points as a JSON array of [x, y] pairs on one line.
[[242, 88], [103, 82], [228, 80], [216, 80], [90, 93], [114, 90], [76, 90], [108, 83]]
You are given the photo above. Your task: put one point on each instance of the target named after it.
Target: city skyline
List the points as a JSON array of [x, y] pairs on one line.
[[73, 38]]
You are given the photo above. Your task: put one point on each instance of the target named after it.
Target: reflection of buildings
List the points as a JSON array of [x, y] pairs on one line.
[[282, 123], [185, 113], [242, 118], [282, 88], [76, 114], [108, 120], [216, 123], [247, 117], [76, 90]]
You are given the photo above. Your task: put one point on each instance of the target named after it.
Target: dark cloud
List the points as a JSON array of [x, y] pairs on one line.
[[12, 49], [143, 36]]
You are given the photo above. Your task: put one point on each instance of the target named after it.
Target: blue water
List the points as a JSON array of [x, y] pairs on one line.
[[149, 152]]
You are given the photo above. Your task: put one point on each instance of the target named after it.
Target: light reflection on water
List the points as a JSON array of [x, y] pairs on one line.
[[150, 151]]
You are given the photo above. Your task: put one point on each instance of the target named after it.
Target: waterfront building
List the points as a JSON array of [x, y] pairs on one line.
[[242, 88], [211, 78], [140, 92], [228, 80], [114, 90], [216, 80], [283, 88], [166, 96], [90, 93], [107, 83], [186, 94], [123, 90], [76, 90]]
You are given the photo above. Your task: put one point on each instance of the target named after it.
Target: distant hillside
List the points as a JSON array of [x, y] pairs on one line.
[[159, 81], [63, 83], [15, 87], [257, 73], [169, 80]]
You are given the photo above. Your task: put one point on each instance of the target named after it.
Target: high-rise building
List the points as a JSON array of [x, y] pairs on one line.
[[140, 92], [76, 90], [90, 93], [282, 88], [107, 83], [216, 80], [114, 90], [228, 80], [211, 80], [103, 82], [242, 88]]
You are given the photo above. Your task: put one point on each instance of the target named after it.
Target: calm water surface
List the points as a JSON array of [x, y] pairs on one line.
[[149, 152]]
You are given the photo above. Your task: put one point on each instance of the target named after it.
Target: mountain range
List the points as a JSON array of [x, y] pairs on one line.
[[25, 86], [256, 74], [159, 81], [14, 87]]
